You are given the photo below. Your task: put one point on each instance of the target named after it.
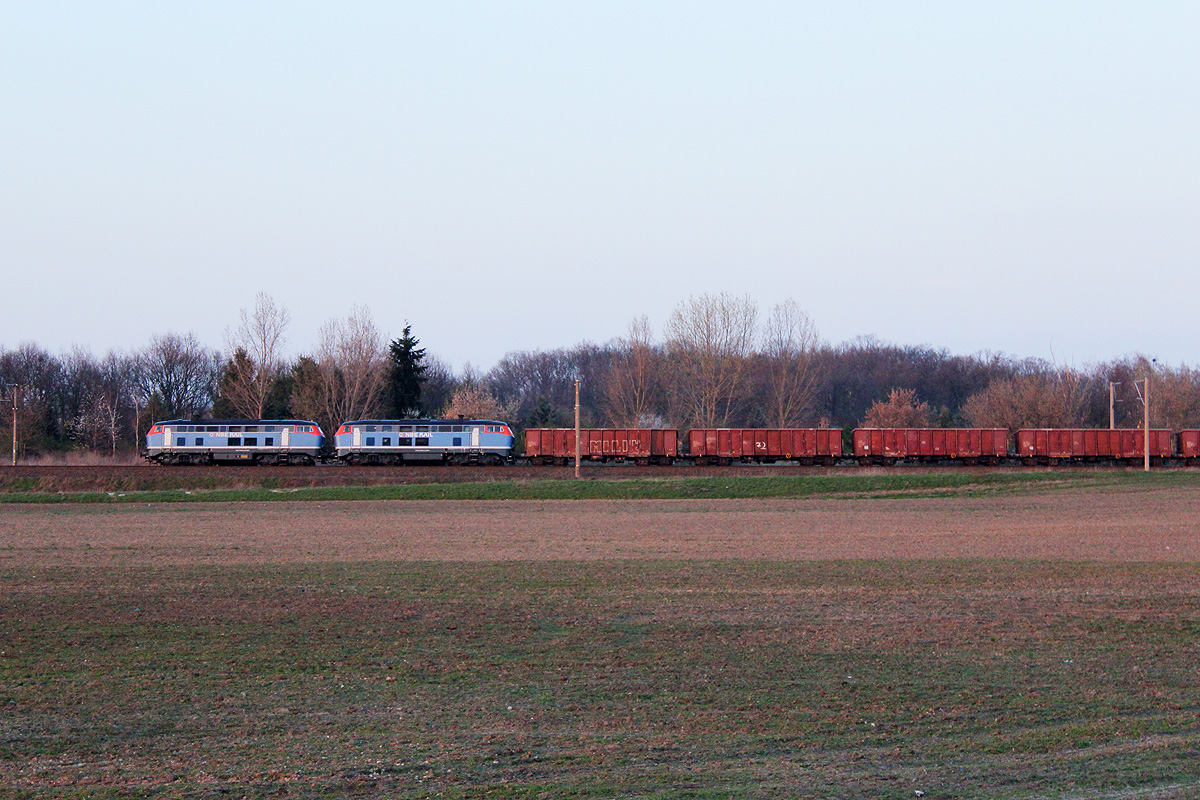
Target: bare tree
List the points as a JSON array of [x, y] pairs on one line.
[[1175, 397], [633, 389], [439, 385], [1052, 399], [472, 401], [536, 386], [900, 410], [39, 377], [106, 408], [177, 375], [790, 341], [1174, 392], [347, 378], [309, 398], [709, 342], [255, 356]]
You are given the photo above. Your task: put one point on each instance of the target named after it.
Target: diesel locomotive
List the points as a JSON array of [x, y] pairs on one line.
[[234, 441]]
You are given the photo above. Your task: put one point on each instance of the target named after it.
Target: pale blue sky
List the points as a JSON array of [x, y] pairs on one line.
[[1019, 177]]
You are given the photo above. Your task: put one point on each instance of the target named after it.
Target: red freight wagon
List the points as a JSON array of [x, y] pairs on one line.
[[641, 445], [1051, 445], [1189, 444], [764, 445], [889, 445]]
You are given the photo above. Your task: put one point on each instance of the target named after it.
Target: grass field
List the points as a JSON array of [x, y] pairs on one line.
[[854, 484], [653, 677]]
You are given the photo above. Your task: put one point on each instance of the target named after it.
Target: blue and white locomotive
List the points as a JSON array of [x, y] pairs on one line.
[[235, 441], [427, 441]]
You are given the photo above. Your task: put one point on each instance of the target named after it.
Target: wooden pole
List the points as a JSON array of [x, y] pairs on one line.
[[1111, 417], [16, 393], [1146, 419], [578, 447]]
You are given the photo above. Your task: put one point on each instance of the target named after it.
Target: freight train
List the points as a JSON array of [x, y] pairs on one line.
[[491, 442], [866, 446]]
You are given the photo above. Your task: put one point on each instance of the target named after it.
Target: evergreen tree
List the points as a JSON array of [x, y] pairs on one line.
[[407, 375]]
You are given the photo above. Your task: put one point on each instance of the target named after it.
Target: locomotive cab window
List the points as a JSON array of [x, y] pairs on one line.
[[269, 441]]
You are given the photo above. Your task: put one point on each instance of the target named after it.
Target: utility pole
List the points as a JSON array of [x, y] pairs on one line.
[[1145, 395], [16, 390], [578, 448], [137, 421], [1111, 403], [1146, 423]]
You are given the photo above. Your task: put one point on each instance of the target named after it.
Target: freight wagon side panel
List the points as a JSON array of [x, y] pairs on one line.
[[1092, 443], [669, 443]]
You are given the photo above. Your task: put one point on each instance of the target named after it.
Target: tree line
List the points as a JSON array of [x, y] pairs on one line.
[[718, 362]]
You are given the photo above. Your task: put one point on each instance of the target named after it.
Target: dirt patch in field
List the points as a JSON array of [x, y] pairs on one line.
[[1092, 523]]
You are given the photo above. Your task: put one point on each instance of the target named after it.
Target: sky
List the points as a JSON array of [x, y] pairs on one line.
[[1018, 177]]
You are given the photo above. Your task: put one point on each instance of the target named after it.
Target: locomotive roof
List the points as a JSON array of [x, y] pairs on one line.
[[236, 422], [424, 422]]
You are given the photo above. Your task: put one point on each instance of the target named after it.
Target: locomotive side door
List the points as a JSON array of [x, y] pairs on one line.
[[285, 436], [475, 436]]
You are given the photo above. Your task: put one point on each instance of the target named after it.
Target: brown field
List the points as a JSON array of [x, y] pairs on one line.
[[1108, 524], [1026, 644]]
